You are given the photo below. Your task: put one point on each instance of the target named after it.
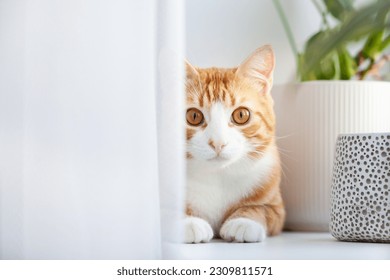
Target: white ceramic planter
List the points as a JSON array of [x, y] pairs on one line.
[[310, 115]]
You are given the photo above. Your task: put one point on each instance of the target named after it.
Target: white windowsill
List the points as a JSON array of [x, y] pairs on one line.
[[288, 245]]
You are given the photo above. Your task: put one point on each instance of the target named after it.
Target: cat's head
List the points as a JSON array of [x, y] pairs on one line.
[[230, 111]]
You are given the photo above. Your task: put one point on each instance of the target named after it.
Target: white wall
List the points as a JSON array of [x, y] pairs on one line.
[[223, 32]]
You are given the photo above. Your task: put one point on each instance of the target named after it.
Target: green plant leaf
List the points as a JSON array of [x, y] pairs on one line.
[[347, 64], [316, 72], [309, 75], [357, 24], [373, 45], [385, 43], [317, 36], [326, 69], [339, 8]]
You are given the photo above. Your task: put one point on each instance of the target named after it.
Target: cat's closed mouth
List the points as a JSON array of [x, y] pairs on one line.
[[218, 159]]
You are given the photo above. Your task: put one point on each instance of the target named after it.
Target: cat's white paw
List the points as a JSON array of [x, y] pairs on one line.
[[197, 230], [243, 230]]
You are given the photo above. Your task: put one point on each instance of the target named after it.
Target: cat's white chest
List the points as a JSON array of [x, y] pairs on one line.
[[210, 194]]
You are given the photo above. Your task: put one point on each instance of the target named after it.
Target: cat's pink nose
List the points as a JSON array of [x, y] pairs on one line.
[[217, 146]]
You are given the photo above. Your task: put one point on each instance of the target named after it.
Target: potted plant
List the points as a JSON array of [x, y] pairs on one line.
[[341, 89]]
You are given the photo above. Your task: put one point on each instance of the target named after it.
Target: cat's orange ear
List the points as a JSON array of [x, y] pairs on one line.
[[259, 67], [191, 72]]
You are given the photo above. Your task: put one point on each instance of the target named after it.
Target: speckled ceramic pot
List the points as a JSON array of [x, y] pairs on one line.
[[360, 192]]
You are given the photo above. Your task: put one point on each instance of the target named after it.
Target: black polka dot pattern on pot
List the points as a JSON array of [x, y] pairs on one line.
[[360, 192]]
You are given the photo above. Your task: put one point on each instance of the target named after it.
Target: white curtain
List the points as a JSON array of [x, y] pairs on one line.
[[91, 160]]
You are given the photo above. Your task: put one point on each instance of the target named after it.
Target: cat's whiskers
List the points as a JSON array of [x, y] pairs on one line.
[[286, 153], [283, 137], [283, 169]]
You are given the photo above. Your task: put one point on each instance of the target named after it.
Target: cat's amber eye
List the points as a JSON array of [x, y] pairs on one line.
[[194, 117], [241, 116]]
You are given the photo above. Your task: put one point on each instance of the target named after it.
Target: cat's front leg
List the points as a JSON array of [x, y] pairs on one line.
[[197, 230], [253, 223], [243, 230]]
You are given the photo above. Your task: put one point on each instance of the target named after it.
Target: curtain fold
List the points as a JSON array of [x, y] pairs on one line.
[[82, 162], [170, 108]]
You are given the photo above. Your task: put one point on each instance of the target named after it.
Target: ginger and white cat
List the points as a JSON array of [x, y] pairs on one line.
[[233, 166]]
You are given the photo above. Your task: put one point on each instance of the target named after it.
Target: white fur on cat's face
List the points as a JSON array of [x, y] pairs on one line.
[[220, 131]]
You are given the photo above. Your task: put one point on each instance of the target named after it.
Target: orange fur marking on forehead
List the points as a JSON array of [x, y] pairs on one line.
[[200, 100], [216, 84], [212, 85], [232, 99]]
